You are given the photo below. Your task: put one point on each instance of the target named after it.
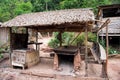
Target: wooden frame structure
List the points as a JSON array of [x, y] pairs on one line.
[[78, 20]]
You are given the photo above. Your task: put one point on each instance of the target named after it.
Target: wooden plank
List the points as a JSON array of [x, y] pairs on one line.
[[102, 52], [95, 56]]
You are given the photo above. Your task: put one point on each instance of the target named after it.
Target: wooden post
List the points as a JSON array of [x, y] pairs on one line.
[[107, 46], [36, 39], [86, 52], [60, 38], [10, 37], [97, 36]]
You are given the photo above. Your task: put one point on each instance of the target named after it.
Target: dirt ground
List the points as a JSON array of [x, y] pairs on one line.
[[44, 69]]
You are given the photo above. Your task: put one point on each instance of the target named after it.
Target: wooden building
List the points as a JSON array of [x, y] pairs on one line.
[[113, 13], [4, 35]]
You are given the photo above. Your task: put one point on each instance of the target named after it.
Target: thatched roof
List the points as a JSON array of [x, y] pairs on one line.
[[52, 18]]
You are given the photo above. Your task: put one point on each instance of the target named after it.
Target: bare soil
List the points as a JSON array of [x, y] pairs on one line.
[[44, 69]]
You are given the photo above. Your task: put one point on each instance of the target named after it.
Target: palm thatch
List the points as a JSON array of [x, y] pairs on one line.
[[40, 19]]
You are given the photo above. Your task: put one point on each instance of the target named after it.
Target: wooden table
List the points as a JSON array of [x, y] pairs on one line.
[[67, 50]]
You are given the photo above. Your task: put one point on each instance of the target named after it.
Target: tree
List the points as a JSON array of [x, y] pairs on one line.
[[23, 7], [12, 8], [68, 4]]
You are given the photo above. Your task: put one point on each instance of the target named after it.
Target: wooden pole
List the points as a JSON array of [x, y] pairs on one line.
[[60, 38], [107, 46], [36, 39], [105, 63], [86, 52], [97, 36], [10, 37]]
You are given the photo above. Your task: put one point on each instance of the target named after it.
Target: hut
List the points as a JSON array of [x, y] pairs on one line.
[[113, 13], [71, 20]]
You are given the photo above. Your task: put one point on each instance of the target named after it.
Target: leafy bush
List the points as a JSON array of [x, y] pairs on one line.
[[81, 38], [67, 37], [92, 37], [111, 50], [54, 43], [102, 42], [1, 55]]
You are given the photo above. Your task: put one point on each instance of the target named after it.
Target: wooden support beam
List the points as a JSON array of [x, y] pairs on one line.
[[105, 63], [10, 36], [107, 46], [104, 24], [60, 35], [99, 21], [86, 52], [36, 39]]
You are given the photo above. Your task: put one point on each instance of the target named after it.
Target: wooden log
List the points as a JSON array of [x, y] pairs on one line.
[[10, 31], [86, 52], [39, 74], [107, 46]]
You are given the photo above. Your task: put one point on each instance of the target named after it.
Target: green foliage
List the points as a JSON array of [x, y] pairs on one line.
[[81, 38], [66, 38], [68, 4], [1, 55], [116, 1], [54, 43], [95, 3], [92, 37], [111, 50], [23, 7], [12, 8], [102, 42]]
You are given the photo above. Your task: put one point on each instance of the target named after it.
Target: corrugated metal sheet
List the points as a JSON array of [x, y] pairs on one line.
[[113, 26]]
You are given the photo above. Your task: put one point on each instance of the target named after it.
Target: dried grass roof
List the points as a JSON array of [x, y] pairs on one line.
[[79, 16]]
